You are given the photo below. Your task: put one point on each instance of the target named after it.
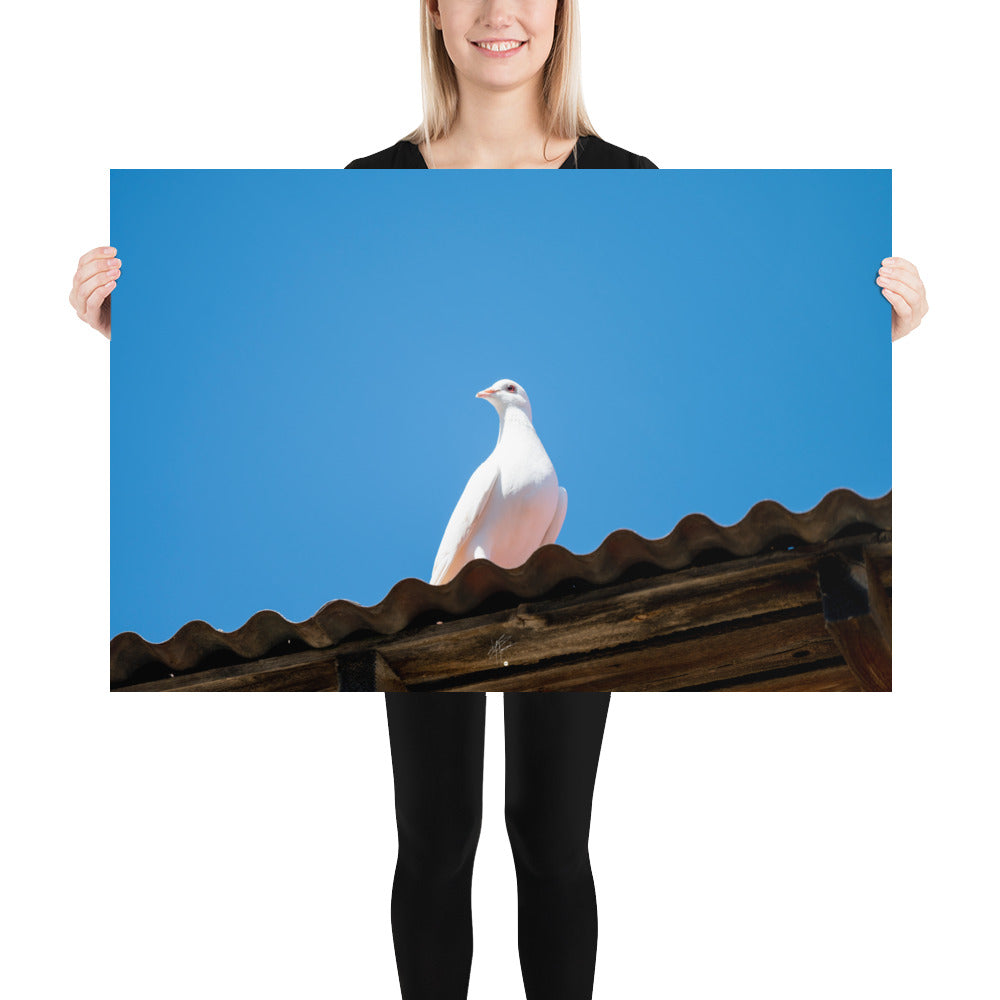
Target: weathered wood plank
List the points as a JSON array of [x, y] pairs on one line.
[[314, 666], [533, 634], [315, 670], [699, 658], [313, 677], [830, 678]]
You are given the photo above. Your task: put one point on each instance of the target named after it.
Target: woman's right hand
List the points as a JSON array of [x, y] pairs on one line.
[[96, 275]]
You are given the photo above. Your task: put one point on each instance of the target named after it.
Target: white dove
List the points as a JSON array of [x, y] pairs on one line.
[[513, 503]]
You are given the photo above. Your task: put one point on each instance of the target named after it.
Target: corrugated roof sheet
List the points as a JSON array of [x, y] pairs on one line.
[[481, 586]]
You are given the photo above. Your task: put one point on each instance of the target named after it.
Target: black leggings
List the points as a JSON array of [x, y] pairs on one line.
[[553, 742]]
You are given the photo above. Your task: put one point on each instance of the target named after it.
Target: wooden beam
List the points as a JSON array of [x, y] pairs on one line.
[[822, 675], [311, 670], [855, 610], [728, 654], [876, 575]]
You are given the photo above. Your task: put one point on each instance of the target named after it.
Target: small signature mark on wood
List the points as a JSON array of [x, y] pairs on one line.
[[522, 617], [499, 647]]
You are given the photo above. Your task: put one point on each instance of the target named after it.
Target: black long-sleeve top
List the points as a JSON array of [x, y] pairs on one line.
[[590, 152]]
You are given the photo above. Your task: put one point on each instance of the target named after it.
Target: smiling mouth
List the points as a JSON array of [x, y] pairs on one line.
[[499, 46]]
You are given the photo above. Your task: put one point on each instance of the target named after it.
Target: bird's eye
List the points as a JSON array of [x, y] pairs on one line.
[[512, 388]]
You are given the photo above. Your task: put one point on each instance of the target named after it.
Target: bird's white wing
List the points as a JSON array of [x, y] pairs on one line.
[[552, 533], [465, 518]]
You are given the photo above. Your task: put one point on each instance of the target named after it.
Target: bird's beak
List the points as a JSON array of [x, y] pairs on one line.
[[485, 393]]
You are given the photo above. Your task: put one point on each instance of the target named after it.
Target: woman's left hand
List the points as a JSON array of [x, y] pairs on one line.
[[901, 285]]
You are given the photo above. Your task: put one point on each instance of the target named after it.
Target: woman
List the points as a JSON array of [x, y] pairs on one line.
[[501, 89]]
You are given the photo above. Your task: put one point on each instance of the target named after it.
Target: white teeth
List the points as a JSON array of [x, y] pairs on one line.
[[498, 46]]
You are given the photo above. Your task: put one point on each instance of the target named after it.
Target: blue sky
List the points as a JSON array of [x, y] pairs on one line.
[[296, 354]]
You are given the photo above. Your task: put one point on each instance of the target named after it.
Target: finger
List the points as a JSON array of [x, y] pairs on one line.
[[900, 306], [898, 267], [95, 281], [916, 298], [88, 277], [96, 254], [96, 268], [901, 287], [92, 307], [87, 290]]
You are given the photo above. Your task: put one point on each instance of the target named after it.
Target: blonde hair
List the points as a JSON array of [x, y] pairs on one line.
[[565, 115]]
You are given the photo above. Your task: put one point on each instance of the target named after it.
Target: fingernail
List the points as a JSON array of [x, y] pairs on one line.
[[110, 251]]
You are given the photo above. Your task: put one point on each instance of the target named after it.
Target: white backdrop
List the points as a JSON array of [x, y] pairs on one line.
[[222, 846]]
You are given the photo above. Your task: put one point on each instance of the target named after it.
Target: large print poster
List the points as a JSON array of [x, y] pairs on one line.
[[297, 354]]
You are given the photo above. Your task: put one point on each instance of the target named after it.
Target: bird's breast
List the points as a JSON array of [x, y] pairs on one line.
[[524, 465], [527, 494], [518, 480]]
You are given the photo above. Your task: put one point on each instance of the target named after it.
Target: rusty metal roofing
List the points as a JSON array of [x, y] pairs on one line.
[[481, 586]]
